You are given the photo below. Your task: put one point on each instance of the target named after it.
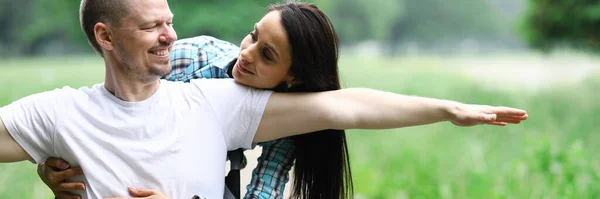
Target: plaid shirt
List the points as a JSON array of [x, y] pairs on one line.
[[208, 57]]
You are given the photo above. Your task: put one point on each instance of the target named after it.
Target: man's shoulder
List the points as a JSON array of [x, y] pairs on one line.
[[227, 88], [66, 92], [207, 84], [209, 87], [69, 95], [58, 98], [216, 83], [96, 89]]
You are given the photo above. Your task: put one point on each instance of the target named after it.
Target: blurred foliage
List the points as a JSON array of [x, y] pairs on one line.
[[35, 27], [567, 23], [422, 20]]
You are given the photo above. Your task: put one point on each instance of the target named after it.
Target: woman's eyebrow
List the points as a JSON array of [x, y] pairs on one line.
[[266, 44]]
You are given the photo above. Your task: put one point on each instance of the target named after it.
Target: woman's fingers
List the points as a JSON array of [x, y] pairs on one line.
[[66, 174], [140, 192], [70, 186], [56, 163], [66, 195], [506, 111], [507, 120], [497, 123], [504, 117]]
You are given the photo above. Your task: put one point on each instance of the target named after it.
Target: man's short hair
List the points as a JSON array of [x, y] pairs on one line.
[[105, 11]]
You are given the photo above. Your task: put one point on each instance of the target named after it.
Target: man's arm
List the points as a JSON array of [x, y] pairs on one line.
[[10, 151], [27, 127], [288, 114]]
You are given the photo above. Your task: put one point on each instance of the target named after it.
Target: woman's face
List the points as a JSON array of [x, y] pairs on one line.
[[265, 57]]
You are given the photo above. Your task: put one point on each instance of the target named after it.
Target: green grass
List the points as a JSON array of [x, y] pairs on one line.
[[551, 155]]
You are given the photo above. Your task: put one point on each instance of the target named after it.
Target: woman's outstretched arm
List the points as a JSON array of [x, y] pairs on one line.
[[288, 114]]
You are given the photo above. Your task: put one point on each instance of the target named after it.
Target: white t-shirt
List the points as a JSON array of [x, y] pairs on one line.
[[176, 141]]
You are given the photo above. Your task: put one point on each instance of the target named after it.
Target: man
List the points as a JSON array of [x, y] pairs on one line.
[[135, 130], [201, 57]]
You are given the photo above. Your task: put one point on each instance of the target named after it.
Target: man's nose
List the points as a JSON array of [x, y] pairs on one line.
[[168, 35]]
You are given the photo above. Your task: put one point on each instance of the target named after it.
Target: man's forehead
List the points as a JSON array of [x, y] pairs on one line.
[[149, 10]]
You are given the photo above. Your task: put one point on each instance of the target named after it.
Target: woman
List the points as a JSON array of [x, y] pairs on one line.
[[322, 167], [294, 49]]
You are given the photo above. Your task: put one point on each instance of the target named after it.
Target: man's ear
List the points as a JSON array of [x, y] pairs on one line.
[[103, 36]]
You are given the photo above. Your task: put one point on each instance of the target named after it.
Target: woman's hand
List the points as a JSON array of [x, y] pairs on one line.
[[54, 172], [470, 115], [143, 194]]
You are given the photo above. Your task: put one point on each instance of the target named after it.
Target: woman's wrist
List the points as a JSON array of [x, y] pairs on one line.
[[450, 109]]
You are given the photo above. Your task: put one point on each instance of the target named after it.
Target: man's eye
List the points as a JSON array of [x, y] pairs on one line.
[[148, 27]]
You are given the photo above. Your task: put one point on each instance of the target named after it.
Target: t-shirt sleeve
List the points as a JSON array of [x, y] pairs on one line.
[[30, 121], [238, 109]]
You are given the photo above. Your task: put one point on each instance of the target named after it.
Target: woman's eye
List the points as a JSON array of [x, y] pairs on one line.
[[253, 36], [267, 55]]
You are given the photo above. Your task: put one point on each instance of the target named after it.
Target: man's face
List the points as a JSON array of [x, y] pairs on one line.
[[143, 41]]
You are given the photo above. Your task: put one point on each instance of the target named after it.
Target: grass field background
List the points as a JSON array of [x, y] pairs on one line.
[[551, 155]]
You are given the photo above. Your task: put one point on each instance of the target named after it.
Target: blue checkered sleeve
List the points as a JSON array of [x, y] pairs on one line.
[[272, 172], [200, 57], [208, 57]]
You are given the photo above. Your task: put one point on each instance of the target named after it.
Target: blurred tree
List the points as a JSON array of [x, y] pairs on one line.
[[424, 21], [29, 26], [226, 19], [357, 20], [573, 23], [49, 23], [12, 16], [430, 22], [349, 21]]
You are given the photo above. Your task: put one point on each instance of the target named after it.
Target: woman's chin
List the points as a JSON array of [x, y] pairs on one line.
[[241, 81], [249, 84], [237, 77]]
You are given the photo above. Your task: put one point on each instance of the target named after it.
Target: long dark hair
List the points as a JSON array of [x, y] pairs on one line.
[[322, 166]]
